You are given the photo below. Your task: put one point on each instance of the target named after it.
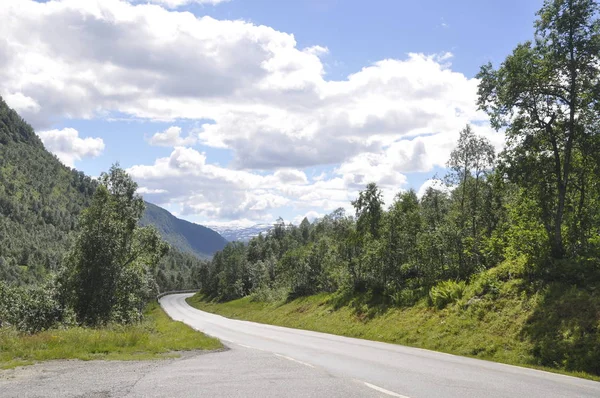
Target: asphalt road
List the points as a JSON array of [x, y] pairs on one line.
[[330, 365]]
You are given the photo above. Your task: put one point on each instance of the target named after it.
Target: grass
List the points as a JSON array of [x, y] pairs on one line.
[[509, 325], [158, 336]]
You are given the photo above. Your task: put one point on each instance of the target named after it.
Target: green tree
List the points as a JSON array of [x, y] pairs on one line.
[[369, 210], [435, 245], [403, 227], [546, 94], [109, 269], [469, 162]]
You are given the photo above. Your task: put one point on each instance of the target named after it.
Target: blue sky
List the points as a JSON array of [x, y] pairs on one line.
[[240, 111]]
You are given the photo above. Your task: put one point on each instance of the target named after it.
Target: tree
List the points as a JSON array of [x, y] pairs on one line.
[[434, 244], [369, 216], [472, 158], [546, 94], [110, 267], [369, 210], [403, 226], [304, 228]]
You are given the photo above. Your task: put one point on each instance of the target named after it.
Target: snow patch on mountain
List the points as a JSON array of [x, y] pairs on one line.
[[240, 233]]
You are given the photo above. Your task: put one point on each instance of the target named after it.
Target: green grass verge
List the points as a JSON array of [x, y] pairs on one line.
[[158, 336], [485, 328]]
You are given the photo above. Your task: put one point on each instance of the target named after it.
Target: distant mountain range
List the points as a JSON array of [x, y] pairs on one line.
[[241, 233], [183, 235]]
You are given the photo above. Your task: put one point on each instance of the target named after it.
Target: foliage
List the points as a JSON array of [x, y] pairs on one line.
[[411, 246], [154, 338], [554, 329], [109, 271], [446, 292], [40, 201], [31, 309], [179, 271], [546, 95], [519, 229], [539, 201]]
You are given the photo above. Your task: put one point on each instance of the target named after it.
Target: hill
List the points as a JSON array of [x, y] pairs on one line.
[[183, 235], [40, 200]]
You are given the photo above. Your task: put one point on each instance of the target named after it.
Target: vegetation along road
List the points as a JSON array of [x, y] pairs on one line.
[[388, 369]]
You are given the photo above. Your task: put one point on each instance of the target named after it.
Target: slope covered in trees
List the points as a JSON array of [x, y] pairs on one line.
[[40, 200], [183, 235], [521, 228]]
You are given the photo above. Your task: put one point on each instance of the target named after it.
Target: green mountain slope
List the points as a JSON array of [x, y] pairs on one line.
[[40, 200], [183, 235]]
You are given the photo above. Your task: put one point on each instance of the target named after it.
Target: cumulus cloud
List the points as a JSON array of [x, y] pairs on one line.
[[88, 59], [179, 3], [258, 94], [144, 190], [171, 137], [185, 179], [311, 216], [69, 147], [432, 183]]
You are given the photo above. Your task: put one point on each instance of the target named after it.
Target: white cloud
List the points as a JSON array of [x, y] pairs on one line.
[[311, 216], [69, 147], [171, 137], [211, 193], [291, 176], [22, 103], [179, 3], [144, 190], [432, 183], [90, 58], [258, 94], [316, 50]]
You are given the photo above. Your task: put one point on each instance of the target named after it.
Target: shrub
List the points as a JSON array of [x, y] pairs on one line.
[[406, 297], [446, 292], [269, 295], [31, 309]]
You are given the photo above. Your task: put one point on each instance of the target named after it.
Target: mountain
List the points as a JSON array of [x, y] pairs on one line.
[[40, 201], [183, 235], [240, 233]]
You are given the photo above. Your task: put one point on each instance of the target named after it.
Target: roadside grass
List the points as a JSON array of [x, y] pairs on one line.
[[501, 327], [158, 336]]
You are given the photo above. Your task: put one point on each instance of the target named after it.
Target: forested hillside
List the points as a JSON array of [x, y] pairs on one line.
[[519, 229], [40, 200], [183, 235]]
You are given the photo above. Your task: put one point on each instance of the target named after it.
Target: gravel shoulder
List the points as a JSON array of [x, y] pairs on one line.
[[238, 372], [75, 378]]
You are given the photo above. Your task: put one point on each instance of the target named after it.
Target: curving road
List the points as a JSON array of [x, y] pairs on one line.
[[340, 366]]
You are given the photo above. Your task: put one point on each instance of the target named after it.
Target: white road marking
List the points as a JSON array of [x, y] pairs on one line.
[[250, 347], [295, 360], [383, 390]]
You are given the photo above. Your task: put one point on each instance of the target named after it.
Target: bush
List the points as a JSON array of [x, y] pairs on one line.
[[446, 292], [406, 297], [269, 295], [31, 309]]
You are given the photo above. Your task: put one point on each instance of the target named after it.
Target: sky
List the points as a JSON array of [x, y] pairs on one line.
[[237, 112]]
